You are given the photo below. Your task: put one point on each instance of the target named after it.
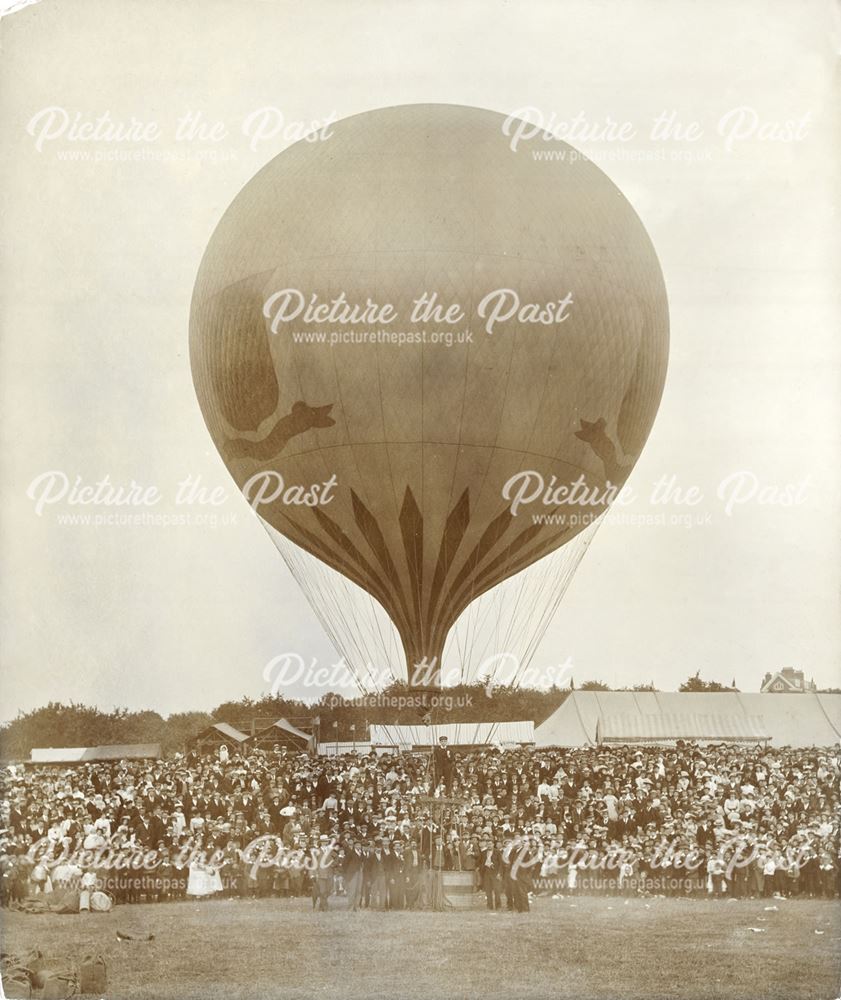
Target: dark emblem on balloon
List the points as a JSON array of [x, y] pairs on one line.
[[595, 434], [300, 419], [238, 358]]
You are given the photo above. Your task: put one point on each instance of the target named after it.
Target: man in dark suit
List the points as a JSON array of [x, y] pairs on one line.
[[216, 807], [353, 865], [490, 871], [425, 837], [157, 827], [505, 865], [522, 856], [245, 803], [142, 830], [411, 875], [274, 808], [16, 819], [395, 877], [375, 876], [188, 806], [442, 764]]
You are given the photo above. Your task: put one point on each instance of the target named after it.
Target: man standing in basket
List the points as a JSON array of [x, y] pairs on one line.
[[442, 765]]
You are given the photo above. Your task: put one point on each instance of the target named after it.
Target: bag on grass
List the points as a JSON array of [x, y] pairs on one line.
[[50, 979], [16, 982], [57, 985], [92, 976], [16, 975], [33, 904], [67, 903]]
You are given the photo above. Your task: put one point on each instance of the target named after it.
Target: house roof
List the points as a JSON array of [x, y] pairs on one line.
[[284, 726], [81, 755], [786, 676], [226, 730]]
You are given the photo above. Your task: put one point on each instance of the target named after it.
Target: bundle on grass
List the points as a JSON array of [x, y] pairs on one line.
[[33, 975]]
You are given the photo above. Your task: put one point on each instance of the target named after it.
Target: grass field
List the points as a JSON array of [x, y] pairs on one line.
[[580, 949]]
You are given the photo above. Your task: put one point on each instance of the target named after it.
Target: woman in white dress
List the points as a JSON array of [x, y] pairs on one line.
[[204, 880]]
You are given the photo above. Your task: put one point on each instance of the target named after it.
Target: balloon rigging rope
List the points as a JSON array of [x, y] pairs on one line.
[[571, 563], [322, 599], [538, 591], [511, 618]]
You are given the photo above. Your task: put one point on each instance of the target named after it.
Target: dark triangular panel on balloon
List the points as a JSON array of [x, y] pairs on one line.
[[369, 575], [490, 536], [367, 524], [318, 548], [457, 521], [411, 530]]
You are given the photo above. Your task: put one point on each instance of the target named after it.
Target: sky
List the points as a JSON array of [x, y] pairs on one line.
[[99, 256]]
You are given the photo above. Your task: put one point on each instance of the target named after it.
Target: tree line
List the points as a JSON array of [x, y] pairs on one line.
[[335, 716]]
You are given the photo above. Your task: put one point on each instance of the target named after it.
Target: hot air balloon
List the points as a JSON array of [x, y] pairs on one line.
[[419, 425]]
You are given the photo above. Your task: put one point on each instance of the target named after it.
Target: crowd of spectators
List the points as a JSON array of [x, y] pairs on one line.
[[728, 820]]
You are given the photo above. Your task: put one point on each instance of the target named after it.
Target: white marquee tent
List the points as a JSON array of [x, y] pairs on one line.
[[590, 717]]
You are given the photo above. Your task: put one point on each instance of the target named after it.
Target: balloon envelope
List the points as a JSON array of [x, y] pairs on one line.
[[420, 433]]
